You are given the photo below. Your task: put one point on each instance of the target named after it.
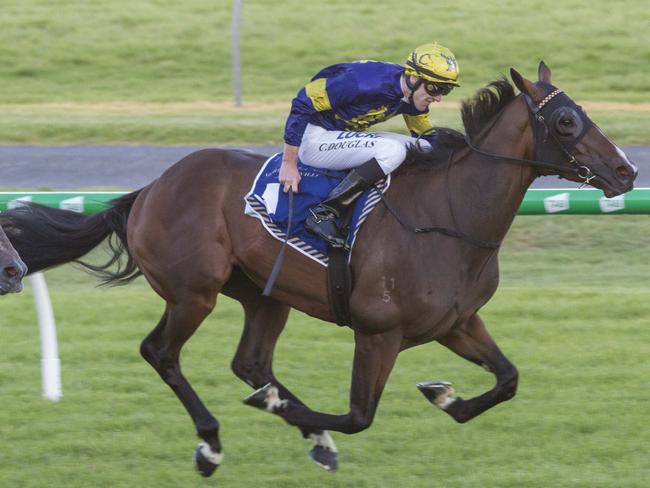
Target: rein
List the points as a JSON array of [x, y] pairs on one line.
[[441, 230], [280, 257], [455, 233]]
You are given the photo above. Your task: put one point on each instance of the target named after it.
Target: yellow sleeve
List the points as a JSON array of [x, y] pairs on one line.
[[418, 124], [316, 92]]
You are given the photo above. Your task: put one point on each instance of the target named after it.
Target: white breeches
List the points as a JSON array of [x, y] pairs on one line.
[[340, 150]]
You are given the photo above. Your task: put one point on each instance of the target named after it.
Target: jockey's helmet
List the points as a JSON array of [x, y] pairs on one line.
[[433, 63]]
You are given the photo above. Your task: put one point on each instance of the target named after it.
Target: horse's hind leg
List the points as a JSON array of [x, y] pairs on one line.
[[472, 341], [162, 347], [265, 319]]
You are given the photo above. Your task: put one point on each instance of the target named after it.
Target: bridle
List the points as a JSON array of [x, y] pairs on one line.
[[552, 148], [552, 152]]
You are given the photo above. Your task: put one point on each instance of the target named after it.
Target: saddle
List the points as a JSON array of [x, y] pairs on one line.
[[267, 202]]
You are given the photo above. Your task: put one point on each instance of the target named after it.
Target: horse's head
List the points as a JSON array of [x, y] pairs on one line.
[[572, 145]]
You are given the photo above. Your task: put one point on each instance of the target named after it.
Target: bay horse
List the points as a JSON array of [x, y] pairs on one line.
[[186, 232], [12, 268]]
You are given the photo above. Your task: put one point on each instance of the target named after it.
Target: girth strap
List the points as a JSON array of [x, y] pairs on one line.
[[339, 285]]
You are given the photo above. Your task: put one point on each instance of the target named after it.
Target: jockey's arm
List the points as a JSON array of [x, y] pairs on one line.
[[318, 95], [311, 99], [289, 174]]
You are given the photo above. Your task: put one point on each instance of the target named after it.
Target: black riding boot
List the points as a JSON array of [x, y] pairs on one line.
[[322, 218]]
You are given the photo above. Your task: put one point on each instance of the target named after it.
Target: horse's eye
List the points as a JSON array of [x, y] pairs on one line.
[[567, 122]]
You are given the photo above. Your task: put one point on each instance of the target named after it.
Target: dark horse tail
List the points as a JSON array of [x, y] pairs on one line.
[[45, 237]]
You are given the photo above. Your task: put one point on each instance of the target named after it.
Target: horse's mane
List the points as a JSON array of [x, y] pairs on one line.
[[488, 101], [475, 113]]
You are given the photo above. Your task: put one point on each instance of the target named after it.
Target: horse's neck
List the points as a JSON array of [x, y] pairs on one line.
[[488, 192]]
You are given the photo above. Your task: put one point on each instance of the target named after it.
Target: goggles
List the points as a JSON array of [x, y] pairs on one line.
[[435, 89]]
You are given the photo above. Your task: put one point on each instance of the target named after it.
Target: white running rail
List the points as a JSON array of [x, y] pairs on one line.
[[50, 362]]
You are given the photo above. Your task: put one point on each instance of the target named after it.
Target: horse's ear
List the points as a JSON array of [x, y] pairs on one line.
[[544, 73], [525, 86]]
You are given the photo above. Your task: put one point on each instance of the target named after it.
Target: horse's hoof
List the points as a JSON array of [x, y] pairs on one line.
[[440, 393], [324, 458], [324, 452], [266, 398], [206, 460]]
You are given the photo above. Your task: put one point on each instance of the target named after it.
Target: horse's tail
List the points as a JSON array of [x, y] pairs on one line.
[[45, 237]]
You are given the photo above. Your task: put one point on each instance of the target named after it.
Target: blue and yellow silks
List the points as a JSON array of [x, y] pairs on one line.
[[353, 96]]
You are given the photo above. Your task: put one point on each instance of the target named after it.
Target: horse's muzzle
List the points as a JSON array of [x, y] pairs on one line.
[[617, 179], [11, 276]]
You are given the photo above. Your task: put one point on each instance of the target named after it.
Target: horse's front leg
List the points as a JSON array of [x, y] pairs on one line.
[[472, 341], [374, 357]]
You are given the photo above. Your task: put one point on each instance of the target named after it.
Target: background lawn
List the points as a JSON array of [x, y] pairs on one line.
[[95, 71]]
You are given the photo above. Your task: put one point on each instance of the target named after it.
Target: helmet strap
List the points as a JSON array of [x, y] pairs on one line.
[[412, 86]]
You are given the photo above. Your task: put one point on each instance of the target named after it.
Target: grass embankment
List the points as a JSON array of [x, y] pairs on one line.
[[572, 313], [166, 52], [220, 124]]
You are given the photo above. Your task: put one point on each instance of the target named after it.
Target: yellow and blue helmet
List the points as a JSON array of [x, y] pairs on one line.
[[434, 63]]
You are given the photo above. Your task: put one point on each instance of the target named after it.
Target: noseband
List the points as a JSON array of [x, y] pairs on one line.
[[552, 146]]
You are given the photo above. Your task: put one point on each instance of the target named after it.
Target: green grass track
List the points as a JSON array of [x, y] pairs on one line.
[[572, 313]]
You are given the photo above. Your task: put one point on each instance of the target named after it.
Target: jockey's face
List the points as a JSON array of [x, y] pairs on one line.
[[422, 99]]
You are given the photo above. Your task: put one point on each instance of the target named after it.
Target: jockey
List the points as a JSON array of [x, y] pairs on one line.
[[330, 115]]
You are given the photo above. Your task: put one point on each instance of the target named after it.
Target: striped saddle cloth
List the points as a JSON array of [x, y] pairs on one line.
[[267, 202]]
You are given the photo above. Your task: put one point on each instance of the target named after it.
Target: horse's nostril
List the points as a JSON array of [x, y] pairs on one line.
[[11, 271], [623, 171]]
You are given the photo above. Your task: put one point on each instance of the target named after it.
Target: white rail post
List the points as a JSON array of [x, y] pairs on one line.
[[50, 362], [236, 54]]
